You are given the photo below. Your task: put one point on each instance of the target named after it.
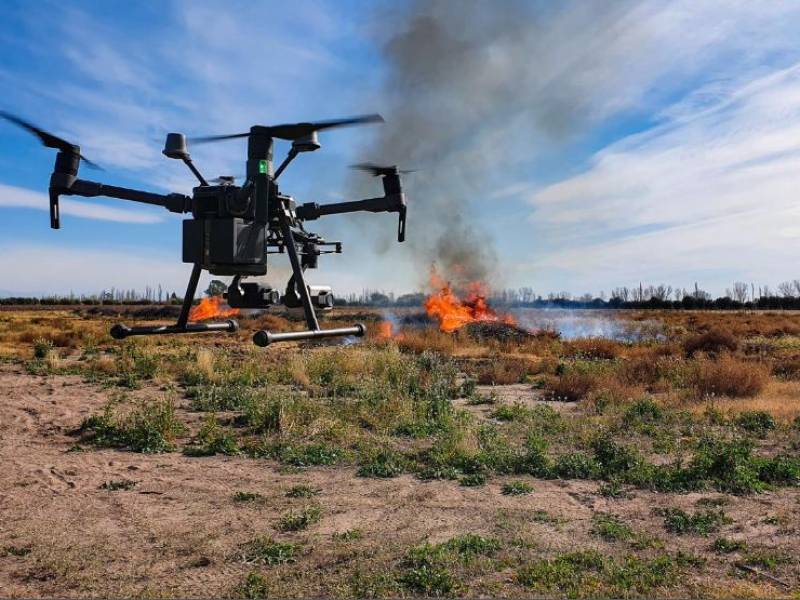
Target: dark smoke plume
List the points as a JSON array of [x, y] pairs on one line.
[[474, 88]]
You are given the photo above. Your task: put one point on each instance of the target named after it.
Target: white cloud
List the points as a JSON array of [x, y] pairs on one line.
[[60, 270], [711, 192], [17, 197]]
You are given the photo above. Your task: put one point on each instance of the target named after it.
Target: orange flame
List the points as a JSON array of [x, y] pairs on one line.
[[385, 330], [211, 307], [453, 313]]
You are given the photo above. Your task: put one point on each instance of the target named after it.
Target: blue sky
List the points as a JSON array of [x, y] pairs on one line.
[[683, 166]]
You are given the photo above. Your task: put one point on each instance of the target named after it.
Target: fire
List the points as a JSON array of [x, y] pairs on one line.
[[385, 330], [211, 307], [453, 313]]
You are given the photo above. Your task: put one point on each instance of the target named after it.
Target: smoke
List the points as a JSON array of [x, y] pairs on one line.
[[475, 91]]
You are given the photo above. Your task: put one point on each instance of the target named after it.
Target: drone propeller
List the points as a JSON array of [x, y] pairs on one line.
[[294, 130], [379, 171], [48, 139]]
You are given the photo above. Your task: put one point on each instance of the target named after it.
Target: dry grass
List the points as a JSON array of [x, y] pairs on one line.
[[781, 399]]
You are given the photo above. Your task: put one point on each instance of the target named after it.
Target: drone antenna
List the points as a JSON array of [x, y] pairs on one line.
[[175, 147]]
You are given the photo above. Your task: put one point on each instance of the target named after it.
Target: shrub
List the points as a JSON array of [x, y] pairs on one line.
[[302, 491], [729, 376], [42, 348], [726, 546], [267, 551], [712, 341], [610, 528], [641, 412], [571, 386], [297, 521], [254, 587], [473, 480], [516, 488], [150, 428], [213, 439], [247, 497], [503, 371], [757, 422], [700, 523], [382, 463], [576, 465]]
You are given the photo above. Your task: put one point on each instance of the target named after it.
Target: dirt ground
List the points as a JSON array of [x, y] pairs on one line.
[[176, 533]]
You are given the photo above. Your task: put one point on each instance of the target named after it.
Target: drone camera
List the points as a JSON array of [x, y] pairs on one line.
[[251, 295], [175, 146]]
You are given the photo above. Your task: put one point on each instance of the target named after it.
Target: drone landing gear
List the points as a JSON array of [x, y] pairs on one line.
[[120, 331], [298, 283]]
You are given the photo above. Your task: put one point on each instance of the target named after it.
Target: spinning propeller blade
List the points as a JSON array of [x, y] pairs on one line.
[[292, 131], [378, 170], [48, 139]]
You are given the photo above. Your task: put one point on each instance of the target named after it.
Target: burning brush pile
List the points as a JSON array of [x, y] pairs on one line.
[[469, 311]]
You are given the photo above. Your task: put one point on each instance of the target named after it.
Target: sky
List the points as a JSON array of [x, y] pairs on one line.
[[573, 146]]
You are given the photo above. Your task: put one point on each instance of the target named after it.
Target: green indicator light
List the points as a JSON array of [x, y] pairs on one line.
[[262, 167]]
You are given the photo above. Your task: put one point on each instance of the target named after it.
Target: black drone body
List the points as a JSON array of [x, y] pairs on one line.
[[232, 229]]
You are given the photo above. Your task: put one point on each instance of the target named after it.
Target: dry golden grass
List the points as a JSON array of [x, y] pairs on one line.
[[781, 399], [730, 376]]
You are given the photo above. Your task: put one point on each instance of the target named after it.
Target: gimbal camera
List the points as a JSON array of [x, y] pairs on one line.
[[233, 228]]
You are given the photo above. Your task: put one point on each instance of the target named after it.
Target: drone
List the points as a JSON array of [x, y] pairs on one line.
[[233, 228]]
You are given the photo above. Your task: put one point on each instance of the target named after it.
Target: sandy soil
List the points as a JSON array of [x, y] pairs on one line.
[[176, 532]]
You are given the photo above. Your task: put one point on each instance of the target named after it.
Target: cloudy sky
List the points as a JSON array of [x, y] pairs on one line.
[[573, 146]]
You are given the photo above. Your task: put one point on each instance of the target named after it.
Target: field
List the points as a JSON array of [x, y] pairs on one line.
[[661, 460]]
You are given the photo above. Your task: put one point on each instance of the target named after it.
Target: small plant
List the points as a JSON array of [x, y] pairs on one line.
[[611, 489], [700, 523], [766, 559], [470, 545], [298, 521], [247, 497], [383, 463], [302, 491], [473, 480], [151, 428], [517, 488], [114, 486], [610, 528], [42, 348], [348, 536], [18, 551], [213, 439], [726, 546], [254, 587], [542, 516], [266, 550]]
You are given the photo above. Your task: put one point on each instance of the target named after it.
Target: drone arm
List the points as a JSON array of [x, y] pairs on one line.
[[177, 203], [394, 202]]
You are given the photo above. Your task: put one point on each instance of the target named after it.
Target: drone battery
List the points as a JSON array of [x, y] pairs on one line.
[[225, 246]]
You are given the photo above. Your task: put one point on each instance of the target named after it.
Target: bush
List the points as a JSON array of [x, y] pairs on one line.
[[267, 551], [572, 386], [712, 342], [729, 376], [213, 439], [643, 411], [383, 463], [150, 428], [503, 371], [610, 528], [298, 521], [700, 523], [516, 488], [757, 422]]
